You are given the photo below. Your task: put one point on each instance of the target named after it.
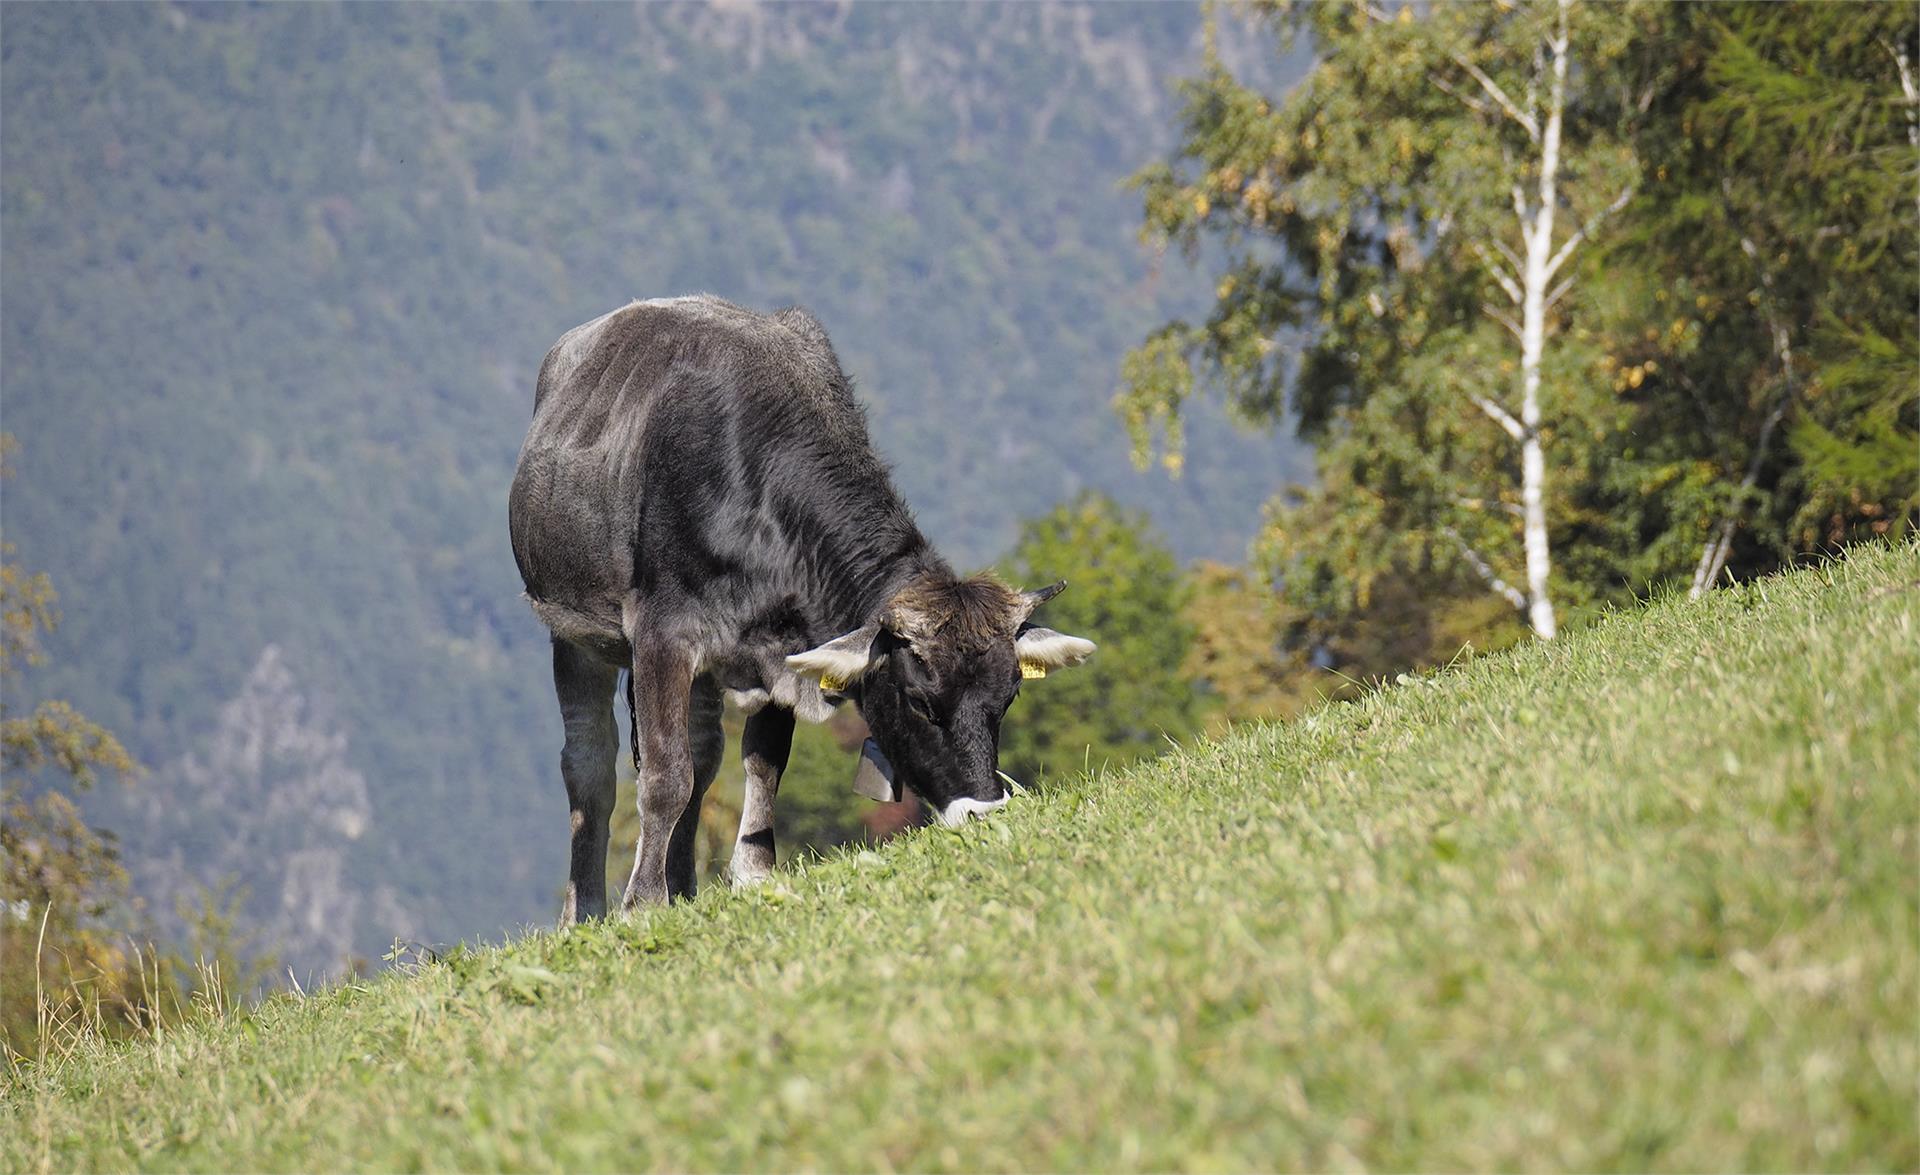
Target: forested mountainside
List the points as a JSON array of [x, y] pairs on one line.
[[276, 280]]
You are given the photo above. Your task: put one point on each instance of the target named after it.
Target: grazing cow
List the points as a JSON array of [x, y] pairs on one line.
[[697, 503]]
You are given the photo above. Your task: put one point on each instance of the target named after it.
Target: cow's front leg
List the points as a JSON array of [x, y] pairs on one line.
[[661, 685], [764, 747]]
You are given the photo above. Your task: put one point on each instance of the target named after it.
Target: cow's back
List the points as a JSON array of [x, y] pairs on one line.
[[648, 423]]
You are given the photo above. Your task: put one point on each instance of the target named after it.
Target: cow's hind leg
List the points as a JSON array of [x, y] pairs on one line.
[[764, 748], [661, 688], [584, 687], [707, 742]]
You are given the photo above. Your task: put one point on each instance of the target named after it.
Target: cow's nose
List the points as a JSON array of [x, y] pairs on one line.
[[960, 811]]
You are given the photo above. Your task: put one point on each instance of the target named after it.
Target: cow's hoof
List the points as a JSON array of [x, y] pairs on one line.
[[638, 900], [750, 878]]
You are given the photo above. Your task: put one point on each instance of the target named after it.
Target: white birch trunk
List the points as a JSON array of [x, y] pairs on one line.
[[1525, 280], [1533, 326]]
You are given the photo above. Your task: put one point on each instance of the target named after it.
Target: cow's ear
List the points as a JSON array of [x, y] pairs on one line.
[[1042, 650], [840, 661]]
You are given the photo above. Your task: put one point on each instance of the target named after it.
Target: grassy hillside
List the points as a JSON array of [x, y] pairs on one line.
[[1642, 898]]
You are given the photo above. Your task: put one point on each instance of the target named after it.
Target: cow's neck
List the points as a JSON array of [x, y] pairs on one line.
[[880, 580], [853, 584], [923, 564]]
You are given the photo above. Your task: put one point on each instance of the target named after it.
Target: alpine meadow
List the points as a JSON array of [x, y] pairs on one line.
[[1348, 571], [1642, 898]]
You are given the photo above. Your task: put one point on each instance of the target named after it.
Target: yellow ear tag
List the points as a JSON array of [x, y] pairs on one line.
[[1032, 669], [831, 683]]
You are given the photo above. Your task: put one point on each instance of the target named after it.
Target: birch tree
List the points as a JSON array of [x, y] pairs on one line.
[[1542, 260], [1432, 186]]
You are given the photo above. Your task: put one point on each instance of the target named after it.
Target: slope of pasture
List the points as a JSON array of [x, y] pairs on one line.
[[1641, 898]]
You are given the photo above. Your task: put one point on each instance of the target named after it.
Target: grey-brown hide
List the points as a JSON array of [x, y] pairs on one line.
[[697, 503]]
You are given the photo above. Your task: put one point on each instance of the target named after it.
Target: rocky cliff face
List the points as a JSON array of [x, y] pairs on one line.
[[270, 796]]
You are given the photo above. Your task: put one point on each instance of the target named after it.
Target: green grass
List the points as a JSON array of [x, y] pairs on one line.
[[1641, 898]]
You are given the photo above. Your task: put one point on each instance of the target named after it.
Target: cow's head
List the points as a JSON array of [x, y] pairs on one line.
[[934, 676]]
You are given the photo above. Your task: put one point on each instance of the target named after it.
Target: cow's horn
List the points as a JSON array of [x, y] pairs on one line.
[[1033, 599]]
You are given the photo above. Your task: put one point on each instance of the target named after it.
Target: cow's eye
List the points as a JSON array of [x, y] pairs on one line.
[[921, 706]]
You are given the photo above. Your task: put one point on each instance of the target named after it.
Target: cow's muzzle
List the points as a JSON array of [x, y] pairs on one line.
[[958, 812]]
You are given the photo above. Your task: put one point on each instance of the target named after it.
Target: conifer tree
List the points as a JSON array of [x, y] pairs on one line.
[[1786, 157]]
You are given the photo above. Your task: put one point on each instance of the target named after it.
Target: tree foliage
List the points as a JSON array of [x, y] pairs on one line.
[[1725, 169], [63, 890], [77, 951], [1127, 594], [1773, 316]]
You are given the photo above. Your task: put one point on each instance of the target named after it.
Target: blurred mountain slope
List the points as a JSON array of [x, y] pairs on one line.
[[276, 281]]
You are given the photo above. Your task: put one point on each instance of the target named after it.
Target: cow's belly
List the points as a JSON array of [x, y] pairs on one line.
[[567, 532]]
